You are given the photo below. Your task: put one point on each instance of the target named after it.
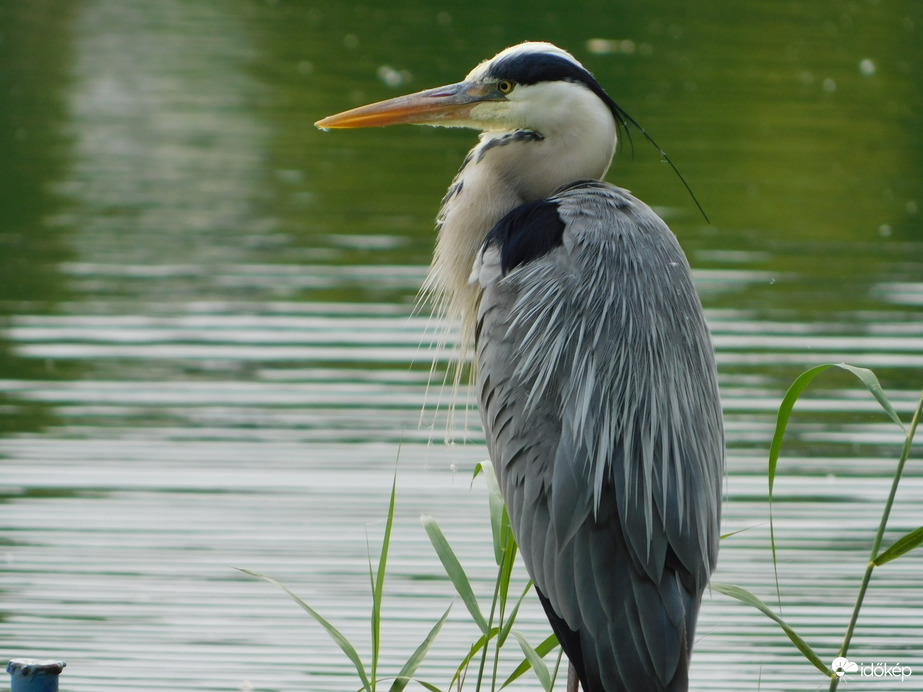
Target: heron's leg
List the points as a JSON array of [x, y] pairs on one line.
[[573, 683]]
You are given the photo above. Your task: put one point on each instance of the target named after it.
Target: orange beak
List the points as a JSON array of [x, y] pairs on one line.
[[447, 105]]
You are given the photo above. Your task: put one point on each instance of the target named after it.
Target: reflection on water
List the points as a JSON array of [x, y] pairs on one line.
[[209, 357], [169, 157]]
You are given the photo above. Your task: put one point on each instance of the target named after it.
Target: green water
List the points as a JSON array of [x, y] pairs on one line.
[[208, 359]]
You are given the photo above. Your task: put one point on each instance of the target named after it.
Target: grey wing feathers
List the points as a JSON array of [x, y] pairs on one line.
[[599, 399]]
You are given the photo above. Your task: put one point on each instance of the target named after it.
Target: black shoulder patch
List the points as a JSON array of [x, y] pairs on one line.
[[529, 231]]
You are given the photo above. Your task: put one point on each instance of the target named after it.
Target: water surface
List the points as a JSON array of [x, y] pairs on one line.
[[210, 359]]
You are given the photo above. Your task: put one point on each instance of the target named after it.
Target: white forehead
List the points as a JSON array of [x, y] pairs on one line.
[[519, 50]]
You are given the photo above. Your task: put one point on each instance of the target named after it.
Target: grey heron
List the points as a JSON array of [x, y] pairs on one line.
[[595, 371]]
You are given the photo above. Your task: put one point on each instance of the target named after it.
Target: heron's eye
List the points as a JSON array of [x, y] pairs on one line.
[[505, 86]]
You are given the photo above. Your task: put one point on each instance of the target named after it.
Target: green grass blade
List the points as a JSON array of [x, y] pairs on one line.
[[345, 646], [378, 582], [454, 570], [431, 688], [775, 448], [536, 661], [901, 546], [785, 412], [907, 542], [508, 625], [410, 667], [508, 562], [497, 506], [748, 598], [868, 378], [462, 669], [542, 649], [466, 661], [734, 533]]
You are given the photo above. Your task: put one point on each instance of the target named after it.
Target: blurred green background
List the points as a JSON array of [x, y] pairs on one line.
[[798, 124], [206, 354]]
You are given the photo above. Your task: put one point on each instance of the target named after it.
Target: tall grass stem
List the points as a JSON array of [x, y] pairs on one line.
[[876, 546]]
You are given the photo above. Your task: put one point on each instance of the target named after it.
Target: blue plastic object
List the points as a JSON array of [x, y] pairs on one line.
[[34, 676]]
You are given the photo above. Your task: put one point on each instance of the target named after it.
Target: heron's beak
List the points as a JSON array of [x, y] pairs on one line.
[[446, 105]]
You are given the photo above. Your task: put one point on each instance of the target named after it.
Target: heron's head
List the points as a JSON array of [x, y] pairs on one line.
[[531, 86]]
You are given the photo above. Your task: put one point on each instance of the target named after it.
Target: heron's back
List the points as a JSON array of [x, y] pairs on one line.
[[599, 398]]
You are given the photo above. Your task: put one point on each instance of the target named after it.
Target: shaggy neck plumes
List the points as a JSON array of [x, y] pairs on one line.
[[574, 140]]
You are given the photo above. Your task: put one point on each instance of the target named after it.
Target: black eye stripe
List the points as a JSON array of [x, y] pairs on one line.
[[534, 68]]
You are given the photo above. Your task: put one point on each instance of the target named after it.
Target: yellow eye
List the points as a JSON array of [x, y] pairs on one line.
[[505, 86]]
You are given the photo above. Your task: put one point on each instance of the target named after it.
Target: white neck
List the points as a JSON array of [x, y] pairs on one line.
[[574, 136]]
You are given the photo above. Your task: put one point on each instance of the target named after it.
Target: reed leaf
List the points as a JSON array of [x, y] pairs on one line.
[[864, 375], [745, 596], [542, 649], [498, 515], [338, 637], [535, 660], [901, 546], [416, 658], [454, 570], [378, 582]]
